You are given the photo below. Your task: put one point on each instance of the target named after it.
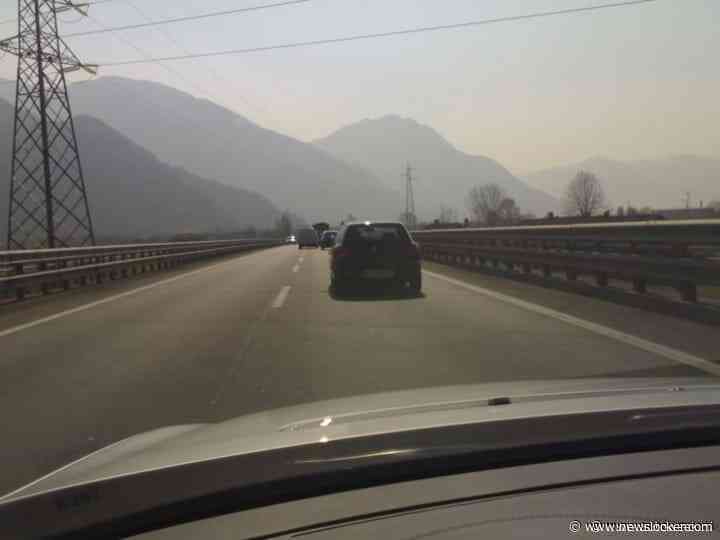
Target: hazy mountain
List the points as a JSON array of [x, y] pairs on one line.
[[659, 183], [214, 142], [444, 173], [133, 194]]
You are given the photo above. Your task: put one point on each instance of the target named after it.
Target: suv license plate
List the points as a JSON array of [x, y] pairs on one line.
[[379, 274]]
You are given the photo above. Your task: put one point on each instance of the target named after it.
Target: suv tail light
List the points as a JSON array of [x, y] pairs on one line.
[[340, 252], [413, 251]]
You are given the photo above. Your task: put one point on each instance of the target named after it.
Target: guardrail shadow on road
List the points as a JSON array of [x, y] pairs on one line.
[[374, 293]]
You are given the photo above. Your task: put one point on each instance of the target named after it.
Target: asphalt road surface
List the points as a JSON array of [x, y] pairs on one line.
[[86, 368]]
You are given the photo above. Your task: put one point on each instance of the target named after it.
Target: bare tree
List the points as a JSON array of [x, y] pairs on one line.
[[283, 225], [447, 215], [584, 195], [508, 212], [484, 203]]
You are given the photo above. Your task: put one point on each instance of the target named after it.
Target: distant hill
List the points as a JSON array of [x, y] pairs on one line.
[[216, 143], [659, 183], [133, 194], [445, 174]]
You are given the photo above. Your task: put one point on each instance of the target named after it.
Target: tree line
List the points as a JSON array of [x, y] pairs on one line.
[[490, 205]]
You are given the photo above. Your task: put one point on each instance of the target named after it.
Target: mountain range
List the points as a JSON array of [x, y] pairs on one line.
[[445, 174], [214, 142], [159, 161], [658, 183], [354, 170], [133, 194]]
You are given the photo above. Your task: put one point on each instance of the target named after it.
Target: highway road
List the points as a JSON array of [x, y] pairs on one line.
[[85, 368]]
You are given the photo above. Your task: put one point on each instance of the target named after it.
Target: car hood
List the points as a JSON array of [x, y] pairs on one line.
[[372, 414]]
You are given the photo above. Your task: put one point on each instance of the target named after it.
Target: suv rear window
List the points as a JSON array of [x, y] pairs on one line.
[[364, 235]]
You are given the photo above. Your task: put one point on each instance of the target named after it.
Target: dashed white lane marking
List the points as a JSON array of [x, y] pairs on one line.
[[301, 259], [296, 268], [107, 300], [280, 298], [649, 346]]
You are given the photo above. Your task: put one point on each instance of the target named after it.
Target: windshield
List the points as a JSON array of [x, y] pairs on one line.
[[214, 209], [368, 235]]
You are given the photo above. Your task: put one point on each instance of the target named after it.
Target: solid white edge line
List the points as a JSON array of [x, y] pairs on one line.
[[281, 296], [60, 315], [640, 343]]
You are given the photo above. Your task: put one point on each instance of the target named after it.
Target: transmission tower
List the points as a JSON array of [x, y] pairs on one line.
[[410, 218], [48, 201]]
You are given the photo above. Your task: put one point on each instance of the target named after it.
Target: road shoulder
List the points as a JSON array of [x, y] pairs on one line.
[[688, 336]]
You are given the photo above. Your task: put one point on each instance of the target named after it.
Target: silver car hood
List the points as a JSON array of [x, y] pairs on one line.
[[341, 419]]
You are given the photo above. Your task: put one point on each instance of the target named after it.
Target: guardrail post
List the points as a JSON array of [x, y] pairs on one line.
[[20, 293], [571, 274], [640, 285], [547, 271], [527, 268], [601, 279]]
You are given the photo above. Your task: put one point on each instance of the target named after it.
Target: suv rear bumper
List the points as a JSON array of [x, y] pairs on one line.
[[348, 273]]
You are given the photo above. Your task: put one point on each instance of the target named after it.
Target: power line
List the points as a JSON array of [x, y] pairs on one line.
[[188, 18], [466, 24], [89, 3], [180, 46], [150, 59]]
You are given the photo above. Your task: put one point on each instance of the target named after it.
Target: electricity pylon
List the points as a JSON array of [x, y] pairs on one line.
[[48, 201]]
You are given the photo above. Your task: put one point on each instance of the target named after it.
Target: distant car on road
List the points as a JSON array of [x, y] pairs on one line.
[[375, 251], [307, 237], [327, 239], [290, 239]]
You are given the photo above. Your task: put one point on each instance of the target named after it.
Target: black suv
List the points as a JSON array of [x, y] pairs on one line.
[[375, 251]]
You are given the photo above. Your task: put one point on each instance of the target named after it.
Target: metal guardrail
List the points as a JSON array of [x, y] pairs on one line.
[[679, 254], [23, 272]]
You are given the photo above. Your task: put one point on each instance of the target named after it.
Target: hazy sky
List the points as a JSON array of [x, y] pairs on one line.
[[631, 82]]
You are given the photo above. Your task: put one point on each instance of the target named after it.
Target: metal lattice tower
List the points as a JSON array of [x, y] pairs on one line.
[[48, 201], [410, 218]]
